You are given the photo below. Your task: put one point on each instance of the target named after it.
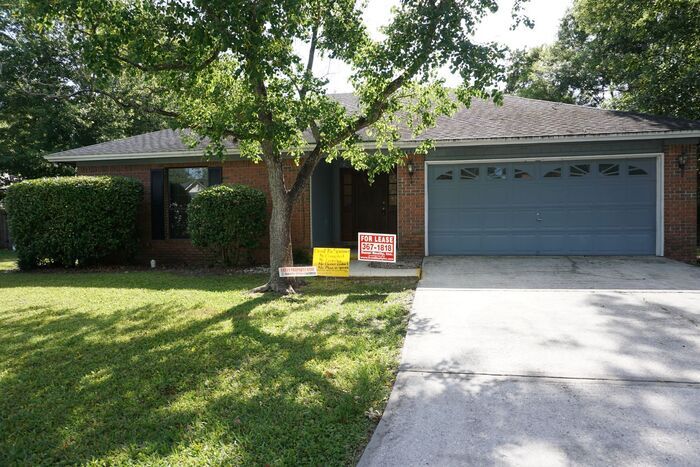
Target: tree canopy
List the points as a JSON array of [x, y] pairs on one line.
[[230, 70], [46, 102], [627, 54]]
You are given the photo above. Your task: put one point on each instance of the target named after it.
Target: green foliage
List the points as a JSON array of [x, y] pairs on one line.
[[157, 369], [232, 71], [626, 54], [227, 219], [50, 101], [65, 220]]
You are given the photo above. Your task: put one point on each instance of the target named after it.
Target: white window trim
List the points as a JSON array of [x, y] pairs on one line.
[[659, 184]]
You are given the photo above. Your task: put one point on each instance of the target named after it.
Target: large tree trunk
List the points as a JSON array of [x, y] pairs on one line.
[[280, 231]]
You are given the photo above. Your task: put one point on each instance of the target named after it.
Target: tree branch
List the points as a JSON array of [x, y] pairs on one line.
[[174, 66], [359, 124], [373, 115], [135, 105]]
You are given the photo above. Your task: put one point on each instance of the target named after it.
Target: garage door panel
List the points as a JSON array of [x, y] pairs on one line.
[[573, 207]]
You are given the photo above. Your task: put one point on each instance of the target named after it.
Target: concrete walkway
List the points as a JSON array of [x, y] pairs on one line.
[[547, 361], [363, 269]]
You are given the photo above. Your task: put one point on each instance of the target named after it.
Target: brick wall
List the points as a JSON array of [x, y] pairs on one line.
[[411, 213], [680, 202], [181, 251]]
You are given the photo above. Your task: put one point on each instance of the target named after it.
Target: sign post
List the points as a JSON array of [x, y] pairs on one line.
[[376, 247], [332, 262]]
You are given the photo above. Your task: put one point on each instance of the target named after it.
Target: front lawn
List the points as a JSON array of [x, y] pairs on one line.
[[8, 260], [172, 369]]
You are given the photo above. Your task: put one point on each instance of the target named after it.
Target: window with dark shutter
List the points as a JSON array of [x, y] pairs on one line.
[[215, 176], [157, 204], [183, 185]]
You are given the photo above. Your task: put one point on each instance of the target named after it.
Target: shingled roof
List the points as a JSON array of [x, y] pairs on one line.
[[517, 120]]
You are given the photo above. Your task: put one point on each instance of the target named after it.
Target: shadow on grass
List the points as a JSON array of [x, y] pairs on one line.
[[360, 298], [245, 385]]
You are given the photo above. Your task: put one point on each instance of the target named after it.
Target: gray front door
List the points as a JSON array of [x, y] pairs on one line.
[[587, 207]]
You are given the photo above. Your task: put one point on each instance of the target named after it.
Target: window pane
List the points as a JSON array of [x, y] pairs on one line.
[[183, 185], [522, 174], [634, 170], [609, 170], [496, 173], [579, 170], [556, 173], [469, 173], [445, 176]]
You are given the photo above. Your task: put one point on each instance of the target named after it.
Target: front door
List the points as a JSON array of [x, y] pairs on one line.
[[365, 207]]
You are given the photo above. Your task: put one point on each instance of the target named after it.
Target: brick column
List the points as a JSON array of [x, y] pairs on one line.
[[411, 205], [680, 202]]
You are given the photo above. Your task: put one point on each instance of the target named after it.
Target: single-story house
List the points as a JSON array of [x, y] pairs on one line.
[[526, 178]]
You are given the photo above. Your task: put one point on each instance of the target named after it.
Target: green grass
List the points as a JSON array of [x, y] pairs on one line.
[[157, 368], [8, 260]]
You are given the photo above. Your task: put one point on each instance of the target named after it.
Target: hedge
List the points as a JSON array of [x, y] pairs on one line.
[[73, 221], [227, 219]]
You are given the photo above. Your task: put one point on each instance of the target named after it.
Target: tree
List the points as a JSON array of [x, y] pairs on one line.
[[561, 72], [47, 104], [649, 50], [231, 71], [633, 55]]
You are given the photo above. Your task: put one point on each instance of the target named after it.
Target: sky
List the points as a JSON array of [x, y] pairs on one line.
[[546, 14]]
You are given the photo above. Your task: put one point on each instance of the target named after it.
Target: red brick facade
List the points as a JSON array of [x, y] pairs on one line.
[[411, 208], [680, 202], [680, 206], [181, 251]]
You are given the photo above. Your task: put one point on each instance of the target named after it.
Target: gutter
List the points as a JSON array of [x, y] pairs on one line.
[[407, 144]]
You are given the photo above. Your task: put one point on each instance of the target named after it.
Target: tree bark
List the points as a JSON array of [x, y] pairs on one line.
[[280, 231]]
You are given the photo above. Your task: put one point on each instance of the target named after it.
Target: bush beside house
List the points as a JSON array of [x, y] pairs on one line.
[[72, 221], [228, 219]]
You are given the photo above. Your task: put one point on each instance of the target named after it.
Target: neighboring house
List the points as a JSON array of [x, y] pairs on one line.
[[528, 178]]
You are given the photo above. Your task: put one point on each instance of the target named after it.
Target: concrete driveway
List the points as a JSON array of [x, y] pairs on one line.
[[547, 361]]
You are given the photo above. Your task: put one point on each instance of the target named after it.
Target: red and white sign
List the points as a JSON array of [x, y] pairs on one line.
[[376, 247], [298, 271]]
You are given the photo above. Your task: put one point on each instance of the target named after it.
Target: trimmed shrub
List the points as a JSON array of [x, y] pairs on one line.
[[227, 219], [73, 220]]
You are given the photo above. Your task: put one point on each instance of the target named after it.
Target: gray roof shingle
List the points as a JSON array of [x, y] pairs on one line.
[[517, 118]]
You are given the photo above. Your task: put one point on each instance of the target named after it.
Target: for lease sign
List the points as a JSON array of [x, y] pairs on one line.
[[376, 247]]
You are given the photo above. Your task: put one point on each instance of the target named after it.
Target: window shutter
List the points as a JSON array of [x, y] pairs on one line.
[[157, 204], [215, 176]]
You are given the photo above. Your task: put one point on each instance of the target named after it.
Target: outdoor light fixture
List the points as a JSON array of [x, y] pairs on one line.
[[411, 168], [682, 160]]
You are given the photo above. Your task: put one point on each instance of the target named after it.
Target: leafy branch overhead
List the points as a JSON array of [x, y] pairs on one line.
[[625, 54], [49, 102], [231, 70]]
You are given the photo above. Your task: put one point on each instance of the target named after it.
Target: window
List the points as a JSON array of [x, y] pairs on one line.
[[609, 170], [522, 174], [579, 170], [183, 185], [469, 173], [496, 173], [445, 176], [634, 170], [555, 173], [392, 189]]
